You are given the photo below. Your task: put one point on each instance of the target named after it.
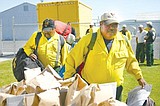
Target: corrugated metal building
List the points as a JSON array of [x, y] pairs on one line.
[[19, 22]]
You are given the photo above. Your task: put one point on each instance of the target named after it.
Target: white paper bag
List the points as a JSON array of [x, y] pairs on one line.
[[105, 91], [43, 81], [20, 100], [137, 96], [47, 98], [31, 73], [74, 90]]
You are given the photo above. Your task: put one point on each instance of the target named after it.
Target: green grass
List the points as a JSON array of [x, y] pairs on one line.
[[6, 74], [151, 75]]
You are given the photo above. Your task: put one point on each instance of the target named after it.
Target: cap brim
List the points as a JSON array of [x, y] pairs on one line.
[[108, 22], [140, 26], [47, 29]]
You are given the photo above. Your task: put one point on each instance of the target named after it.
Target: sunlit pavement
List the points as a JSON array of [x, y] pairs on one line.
[[6, 57]]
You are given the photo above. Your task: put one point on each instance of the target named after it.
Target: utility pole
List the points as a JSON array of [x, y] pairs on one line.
[[1, 41], [13, 32]]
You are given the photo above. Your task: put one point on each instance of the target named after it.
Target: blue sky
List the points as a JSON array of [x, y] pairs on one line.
[[125, 9]]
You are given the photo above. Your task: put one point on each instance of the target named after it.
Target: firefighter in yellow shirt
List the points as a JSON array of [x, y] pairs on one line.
[[48, 46], [126, 32], [110, 55], [92, 28]]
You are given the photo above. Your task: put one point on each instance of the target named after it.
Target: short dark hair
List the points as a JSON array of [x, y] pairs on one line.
[[68, 23]]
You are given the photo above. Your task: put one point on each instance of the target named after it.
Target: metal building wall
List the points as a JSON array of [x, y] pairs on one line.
[[19, 22]]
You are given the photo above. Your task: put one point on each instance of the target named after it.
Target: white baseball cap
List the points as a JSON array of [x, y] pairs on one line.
[[91, 23], [149, 23], [124, 26], [141, 26], [109, 18]]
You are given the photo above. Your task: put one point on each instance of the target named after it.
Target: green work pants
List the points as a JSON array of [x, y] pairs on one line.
[[140, 54], [119, 93], [149, 54]]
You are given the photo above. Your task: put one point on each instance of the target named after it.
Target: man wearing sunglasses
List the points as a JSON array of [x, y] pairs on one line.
[[108, 59]]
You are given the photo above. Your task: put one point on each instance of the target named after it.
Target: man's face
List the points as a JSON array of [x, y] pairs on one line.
[[109, 30], [148, 26], [49, 33], [140, 28], [123, 28], [91, 26]]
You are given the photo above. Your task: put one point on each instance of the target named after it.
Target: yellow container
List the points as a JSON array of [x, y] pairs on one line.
[[73, 11]]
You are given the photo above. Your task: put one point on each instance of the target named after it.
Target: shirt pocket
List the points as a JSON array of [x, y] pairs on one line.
[[120, 59], [96, 58]]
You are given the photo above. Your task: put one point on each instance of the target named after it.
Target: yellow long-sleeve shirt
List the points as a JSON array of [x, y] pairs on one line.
[[101, 66], [47, 49]]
